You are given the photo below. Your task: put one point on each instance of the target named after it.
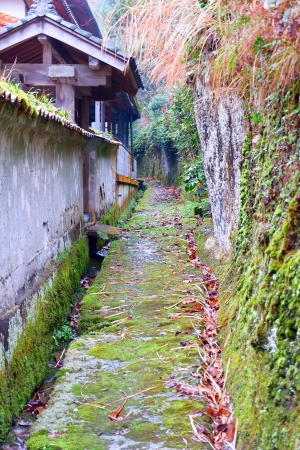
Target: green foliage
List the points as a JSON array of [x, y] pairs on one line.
[[193, 178], [112, 215], [64, 333], [203, 209], [168, 122]]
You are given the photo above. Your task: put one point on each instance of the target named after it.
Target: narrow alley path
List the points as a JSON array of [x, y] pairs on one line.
[[128, 381]]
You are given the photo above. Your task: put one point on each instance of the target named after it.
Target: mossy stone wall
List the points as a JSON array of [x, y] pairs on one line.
[[261, 295], [159, 164], [23, 366]]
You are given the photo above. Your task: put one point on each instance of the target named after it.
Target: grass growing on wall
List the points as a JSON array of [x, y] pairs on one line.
[[32, 101], [112, 215], [26, 368]]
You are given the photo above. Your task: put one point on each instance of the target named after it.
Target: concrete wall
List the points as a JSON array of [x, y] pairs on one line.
[[125, 166], [40, 197], [104, 160], [160, 164], [101, 180], [125, 193], [220, 126]]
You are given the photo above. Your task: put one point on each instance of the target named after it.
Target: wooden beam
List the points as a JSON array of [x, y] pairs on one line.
[[87, 46], [85, 112], [84, 91], [61, 33], [103, 94], [63, 74], [78, 96], [38, 74], [58, 57], [60, 53], [71, 38], [47, 48], [94, 64], [126, 180], [65, 98]]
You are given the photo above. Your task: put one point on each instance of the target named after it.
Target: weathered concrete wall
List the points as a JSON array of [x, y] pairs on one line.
[[220, 127], [104, 162], [102, 177], [160, 164], [125, 193], [127, 167], [40, 196]]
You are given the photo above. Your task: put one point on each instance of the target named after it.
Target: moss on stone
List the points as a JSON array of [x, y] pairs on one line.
[[112, 216], [142, 352], [261, 295], [26, 368]]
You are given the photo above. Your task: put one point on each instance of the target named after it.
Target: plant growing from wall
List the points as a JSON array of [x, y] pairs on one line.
[[32, 100]]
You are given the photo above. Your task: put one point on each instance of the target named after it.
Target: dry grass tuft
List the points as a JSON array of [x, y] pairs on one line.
[[245, 46]]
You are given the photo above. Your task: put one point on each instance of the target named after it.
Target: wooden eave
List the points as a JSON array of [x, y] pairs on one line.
[[20, 40]]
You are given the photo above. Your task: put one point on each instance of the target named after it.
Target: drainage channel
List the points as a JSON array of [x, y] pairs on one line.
[[19, 433]]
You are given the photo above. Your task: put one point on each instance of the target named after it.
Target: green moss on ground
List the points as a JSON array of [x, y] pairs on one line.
[[26, 369], [142, 278], [261, 296]]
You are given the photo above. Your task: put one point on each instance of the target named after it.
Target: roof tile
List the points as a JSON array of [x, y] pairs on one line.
[[95, 39], [6, 19]]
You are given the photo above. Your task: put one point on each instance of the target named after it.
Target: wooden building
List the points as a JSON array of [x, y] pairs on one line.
[[56, 46]]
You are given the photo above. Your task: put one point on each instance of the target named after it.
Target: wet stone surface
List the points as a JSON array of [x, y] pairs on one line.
[[139, 342]]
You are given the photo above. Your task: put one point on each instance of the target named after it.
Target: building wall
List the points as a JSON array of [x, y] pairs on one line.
[[101, 177], [125, 193], [105, 161], [124, 163], [40, 197]]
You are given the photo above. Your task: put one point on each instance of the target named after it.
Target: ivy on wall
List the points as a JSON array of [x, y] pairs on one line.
[[168, 122]]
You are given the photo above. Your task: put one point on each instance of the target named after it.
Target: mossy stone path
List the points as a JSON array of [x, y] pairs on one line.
[[134, 339]]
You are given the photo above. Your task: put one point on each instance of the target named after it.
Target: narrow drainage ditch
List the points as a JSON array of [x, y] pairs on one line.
[[19, 433]]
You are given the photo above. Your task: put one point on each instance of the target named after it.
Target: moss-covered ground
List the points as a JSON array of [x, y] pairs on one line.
[[137, 335]]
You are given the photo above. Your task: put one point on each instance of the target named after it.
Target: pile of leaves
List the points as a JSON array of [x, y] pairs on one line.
[[38, 402], [212, 378]]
